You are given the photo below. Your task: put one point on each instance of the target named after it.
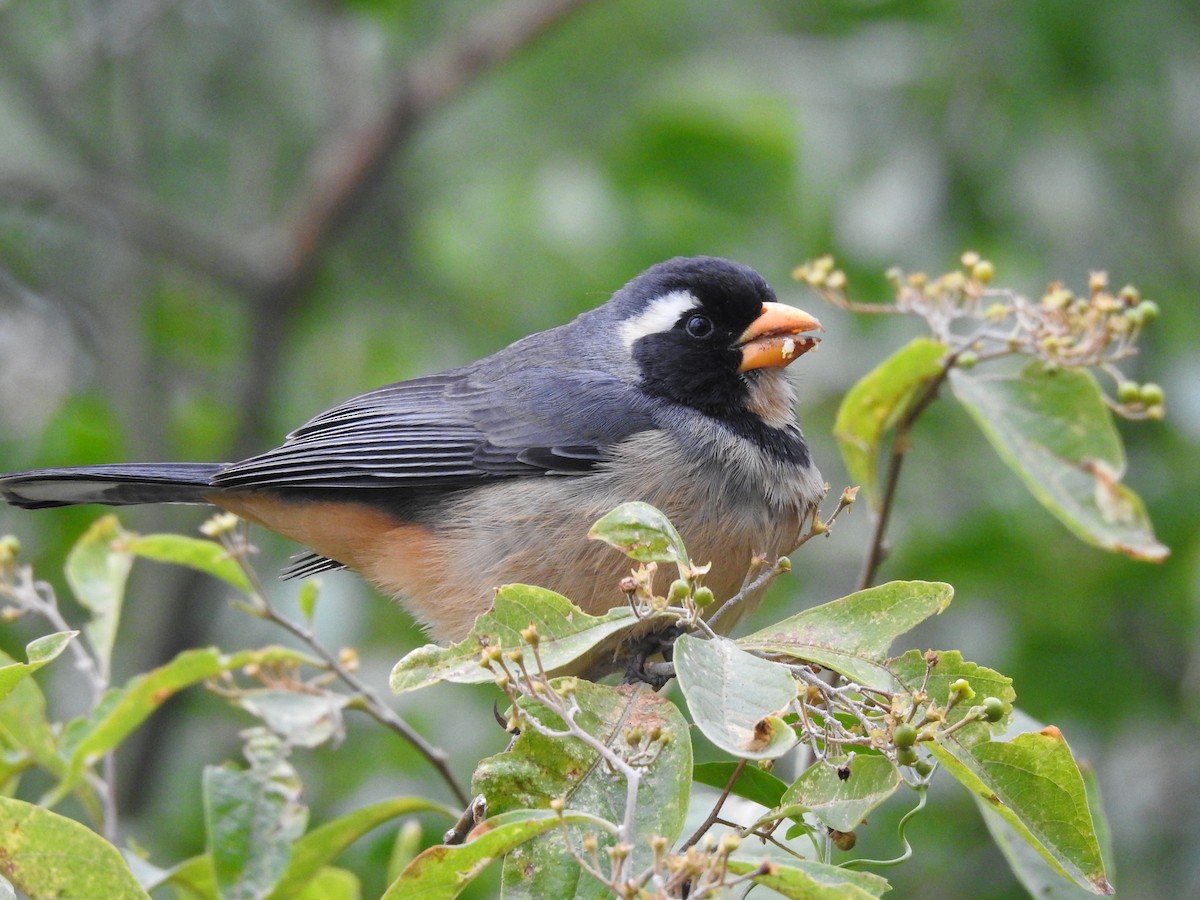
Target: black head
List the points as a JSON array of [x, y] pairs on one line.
[[688, 324]]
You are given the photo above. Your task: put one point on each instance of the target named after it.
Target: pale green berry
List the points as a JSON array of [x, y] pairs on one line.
[[1151, 394], [994, 709], [905, 735]]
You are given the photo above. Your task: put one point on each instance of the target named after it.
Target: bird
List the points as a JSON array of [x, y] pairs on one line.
[[441, 488]]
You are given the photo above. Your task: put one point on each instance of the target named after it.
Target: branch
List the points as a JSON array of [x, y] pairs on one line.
[[372, 704], [715, 814], [900, 447], [346, 171], [46, 103], [232, 536], [347, 168], [104, 205]]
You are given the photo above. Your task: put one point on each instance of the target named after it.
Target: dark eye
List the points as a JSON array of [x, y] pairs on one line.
[[699, 326]]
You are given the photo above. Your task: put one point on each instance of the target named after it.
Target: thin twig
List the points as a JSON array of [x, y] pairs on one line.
[[373, 705], [475, 813], [237, 545], [38, 597], [900, 447], [767, 574], [767, 836], [715, 813], [346, 169]]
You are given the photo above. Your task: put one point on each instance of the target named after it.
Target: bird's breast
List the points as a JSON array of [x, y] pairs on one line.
[[727, 507]]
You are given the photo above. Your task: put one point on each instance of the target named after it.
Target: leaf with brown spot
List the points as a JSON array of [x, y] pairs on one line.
[[1053, 429], [734, 697], [1030, 780]]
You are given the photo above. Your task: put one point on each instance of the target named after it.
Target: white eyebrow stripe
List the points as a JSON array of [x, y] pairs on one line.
[[660, 315]]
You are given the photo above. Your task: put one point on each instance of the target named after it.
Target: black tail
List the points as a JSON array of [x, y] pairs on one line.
[[120, 484]]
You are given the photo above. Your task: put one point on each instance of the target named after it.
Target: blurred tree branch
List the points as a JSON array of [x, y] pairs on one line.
[[47, 104], [345, 169], [106, 204], [347, 166]]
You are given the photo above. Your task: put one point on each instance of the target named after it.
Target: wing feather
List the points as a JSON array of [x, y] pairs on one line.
[[455, 427]]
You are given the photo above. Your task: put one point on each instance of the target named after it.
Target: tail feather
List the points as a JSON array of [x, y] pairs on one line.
[[119, 484]]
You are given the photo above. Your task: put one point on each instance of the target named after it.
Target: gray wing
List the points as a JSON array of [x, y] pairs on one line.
[[453, 429]]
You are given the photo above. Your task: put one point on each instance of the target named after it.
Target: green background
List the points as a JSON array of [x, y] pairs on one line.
[[162, 164]]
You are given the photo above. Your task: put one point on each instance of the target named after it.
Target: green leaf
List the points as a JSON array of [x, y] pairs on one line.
[[253, 817], [96, 569], [48, 855], [641, 532], [852, 635], [806, 880], [539, 769], [1053, 429], [321, 846], [842, 803], [442, 872], [753, 784], [39, 652], [1034, 873], [332, 884], [194, 553], [734, 697], [307, 598], [23, 723], [192, 878], [1033, 783], [124, 709], [877, 402], [568, 636]]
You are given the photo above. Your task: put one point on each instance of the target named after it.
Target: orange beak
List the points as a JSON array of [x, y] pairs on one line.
[[777, 337]]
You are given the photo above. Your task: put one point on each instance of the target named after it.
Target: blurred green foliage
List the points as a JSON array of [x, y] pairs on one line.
[[155, 163]]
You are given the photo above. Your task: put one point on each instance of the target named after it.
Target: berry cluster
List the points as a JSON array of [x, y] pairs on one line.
[[1094, 330]]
